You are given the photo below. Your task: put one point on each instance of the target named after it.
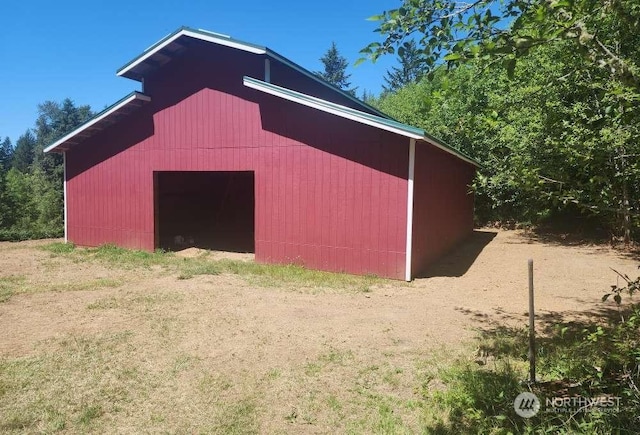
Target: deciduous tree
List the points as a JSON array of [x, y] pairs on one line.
[[579, 118]]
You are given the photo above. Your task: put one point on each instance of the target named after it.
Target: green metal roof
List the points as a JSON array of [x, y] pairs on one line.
[[165, 43], [380, 120], [355, 115], [182, 30]]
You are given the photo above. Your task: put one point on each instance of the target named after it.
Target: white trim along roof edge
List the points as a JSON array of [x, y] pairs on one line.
[[99, 117], [225, 40], [352, 114]]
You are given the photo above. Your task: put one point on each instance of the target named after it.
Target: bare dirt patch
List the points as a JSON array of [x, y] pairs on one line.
[[89, 346], [216, 255]]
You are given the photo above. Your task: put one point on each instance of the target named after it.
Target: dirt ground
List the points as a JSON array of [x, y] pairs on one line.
[[148, 351]]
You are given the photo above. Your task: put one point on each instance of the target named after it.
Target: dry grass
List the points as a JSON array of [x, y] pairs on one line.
[[94, 384], [18, 284], [97, 383], [139, 379], [110, 340]]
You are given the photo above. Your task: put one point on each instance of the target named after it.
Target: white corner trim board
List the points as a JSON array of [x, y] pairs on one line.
[[409, 246], [64, 196]]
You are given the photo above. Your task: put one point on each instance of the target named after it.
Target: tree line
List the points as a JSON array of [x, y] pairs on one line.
[[31, 182], [544, 93], [548, 103]]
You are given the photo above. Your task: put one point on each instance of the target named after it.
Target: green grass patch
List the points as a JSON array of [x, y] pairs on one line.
[[114, 382], [89, 414], [382, 413], [274, 275], [59, 247], [334, 357], [333, 403], [191, 267], [105, 304], [69, 385], [239, 417], [392, 377], [478, 400], [265, 275], [129, 258], [10, 285], [110, 254]]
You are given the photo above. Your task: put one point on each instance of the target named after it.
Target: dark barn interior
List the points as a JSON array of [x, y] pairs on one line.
[[208, 210]]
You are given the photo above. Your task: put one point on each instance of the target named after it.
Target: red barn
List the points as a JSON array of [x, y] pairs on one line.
[[231, 146]]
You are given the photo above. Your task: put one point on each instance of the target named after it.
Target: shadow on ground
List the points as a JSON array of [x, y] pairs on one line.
[[580, 354], [547, 322], [458, 261], [503, 334], [579, 231]]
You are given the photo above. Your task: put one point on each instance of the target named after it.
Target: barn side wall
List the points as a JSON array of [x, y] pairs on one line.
[[443, 206], [330, 193]]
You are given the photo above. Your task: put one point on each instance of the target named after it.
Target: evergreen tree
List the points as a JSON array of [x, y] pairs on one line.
[[31, 191], [24, 153], [410, 71], [368, 97], [54, 121], [335, 69], [6, 154]]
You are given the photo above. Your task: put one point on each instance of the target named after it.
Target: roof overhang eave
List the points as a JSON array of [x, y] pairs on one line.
[[163, 49], [99, 122], [129, 70]]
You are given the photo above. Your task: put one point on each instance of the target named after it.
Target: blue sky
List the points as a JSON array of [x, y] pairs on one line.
[[51, 50]]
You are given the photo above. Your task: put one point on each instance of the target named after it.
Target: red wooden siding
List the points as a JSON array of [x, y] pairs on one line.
[[330, 193], [443, 206]]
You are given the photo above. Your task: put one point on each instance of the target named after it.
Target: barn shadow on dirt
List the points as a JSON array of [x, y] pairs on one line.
[[458, 261]]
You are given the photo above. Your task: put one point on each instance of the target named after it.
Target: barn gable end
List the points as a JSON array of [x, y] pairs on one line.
[[329, 182]]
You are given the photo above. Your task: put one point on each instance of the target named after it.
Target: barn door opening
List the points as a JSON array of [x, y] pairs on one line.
[[208, 210]]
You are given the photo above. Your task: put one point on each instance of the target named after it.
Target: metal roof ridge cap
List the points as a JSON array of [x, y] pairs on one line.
[[224, 40], [223, 37]]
